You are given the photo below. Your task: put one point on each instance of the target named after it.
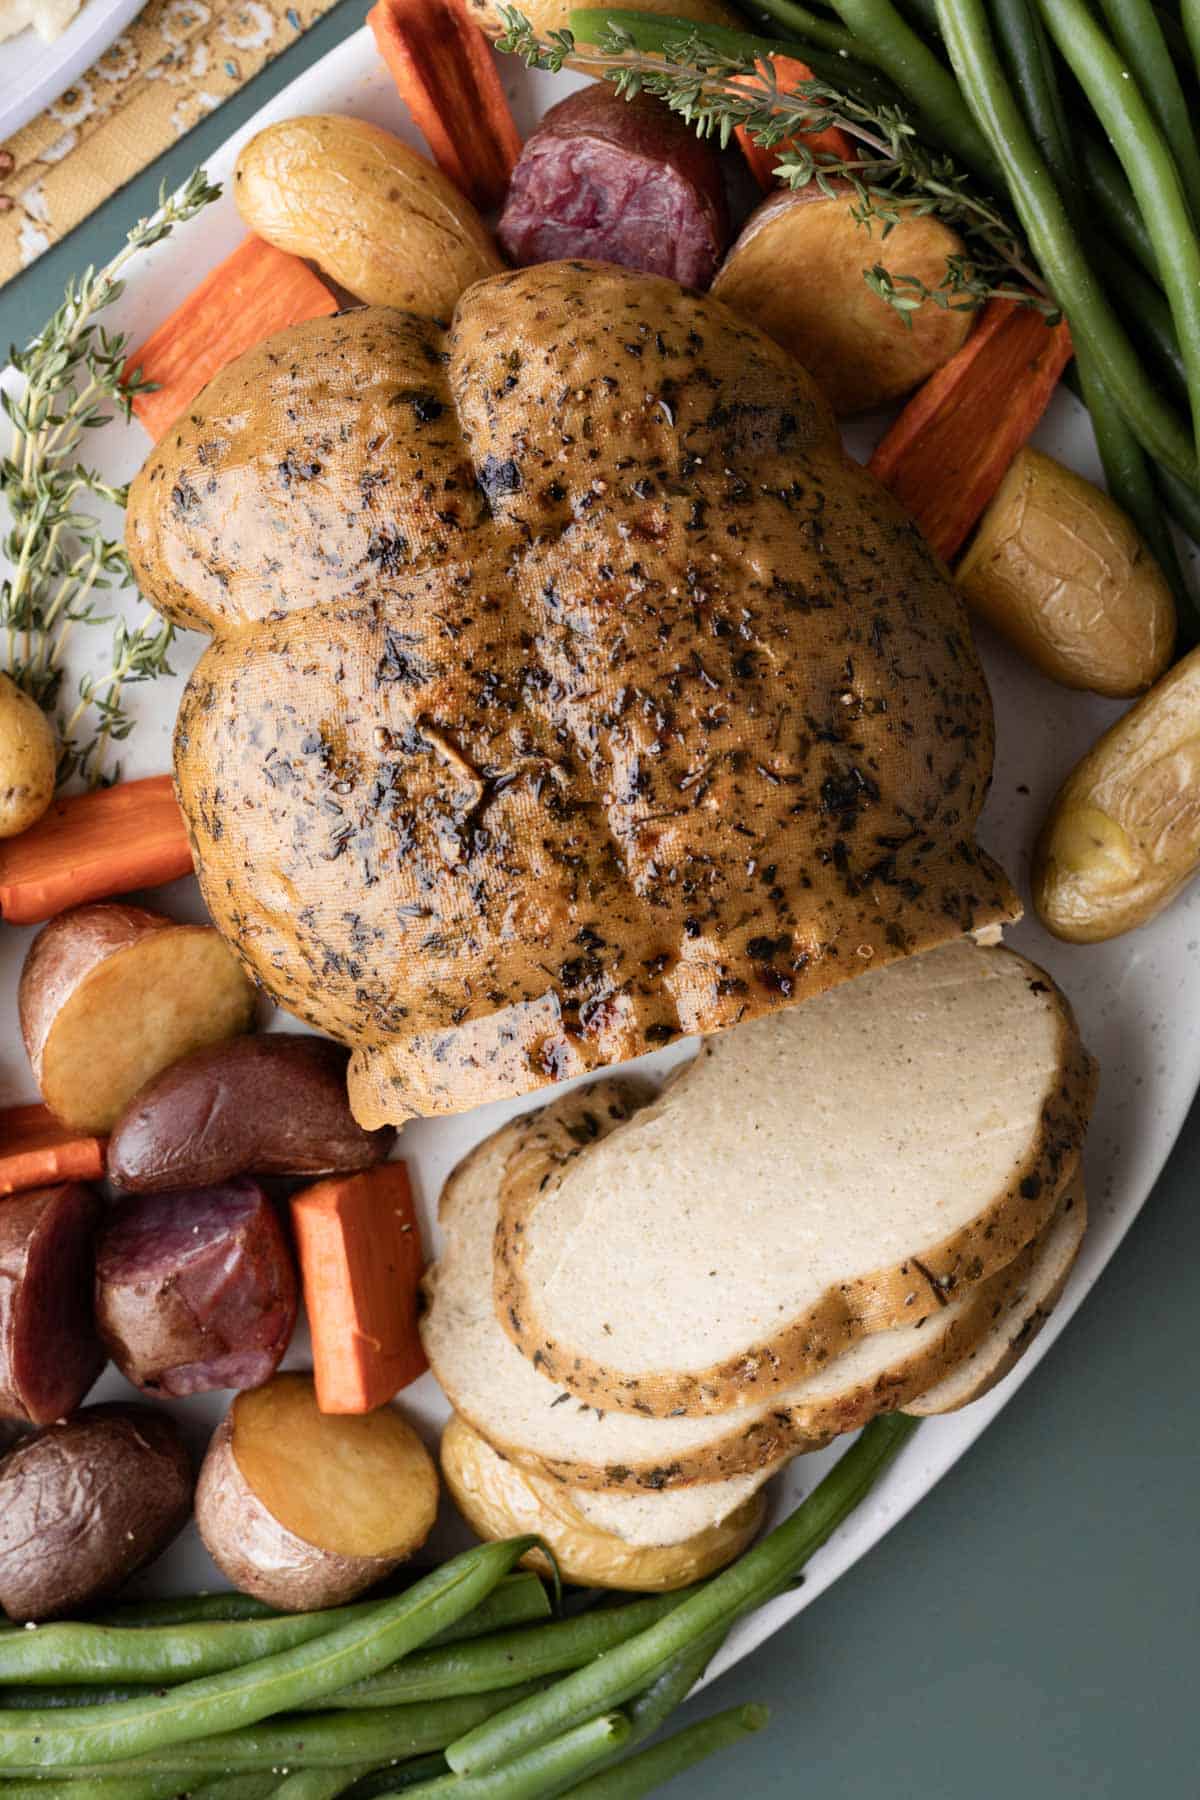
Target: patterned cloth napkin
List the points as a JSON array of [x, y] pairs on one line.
[[176, 62]]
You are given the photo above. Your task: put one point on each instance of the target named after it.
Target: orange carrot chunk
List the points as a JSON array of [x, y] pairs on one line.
[[447, 76], [36, 1151], [256, 291], [361, 1263], [948, 452], [831, 142], [89, 846]]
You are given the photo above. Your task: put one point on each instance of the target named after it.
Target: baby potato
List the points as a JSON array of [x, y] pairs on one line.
[[1064, 575], [1123, 835], [797, 273], [498, 1499], [375, 216], [28, 759]]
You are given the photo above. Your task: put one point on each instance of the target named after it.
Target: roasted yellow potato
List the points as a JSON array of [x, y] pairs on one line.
[[1123, 835], [498, 1499], [28, 758], [306, 1509], [555, 15], [797, 272], [1064, 575], [376, 217]]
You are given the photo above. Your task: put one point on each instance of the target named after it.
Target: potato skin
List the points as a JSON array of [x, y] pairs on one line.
[[374, 215], [498, 1499], [84, 1504], [196, 1290], [1060, 571], [273, 1103], [796, 271], [50, 1353], [262, 1557], [1123, 835], [28, 759]]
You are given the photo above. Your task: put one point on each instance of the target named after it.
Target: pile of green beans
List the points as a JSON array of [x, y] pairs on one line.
[[1086, 123], [461, 1686]]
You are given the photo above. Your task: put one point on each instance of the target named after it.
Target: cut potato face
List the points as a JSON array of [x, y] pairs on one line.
[[361, 1486], [306, 1509], [111, 995], [28, 759], [798, 273], [498, 1500]]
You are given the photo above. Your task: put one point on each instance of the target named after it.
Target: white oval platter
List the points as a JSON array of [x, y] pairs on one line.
[[1138, 999]]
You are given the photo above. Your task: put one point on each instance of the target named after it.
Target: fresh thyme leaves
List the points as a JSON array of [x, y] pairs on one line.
[[718, 89], [61, 558]]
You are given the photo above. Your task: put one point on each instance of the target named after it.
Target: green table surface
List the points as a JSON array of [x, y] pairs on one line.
[[1032, 1630]]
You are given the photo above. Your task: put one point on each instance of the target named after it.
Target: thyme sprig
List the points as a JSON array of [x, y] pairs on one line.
[[892, 174], [61, 558]]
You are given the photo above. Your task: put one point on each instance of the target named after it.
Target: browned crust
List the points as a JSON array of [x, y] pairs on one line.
[[855, 1309]]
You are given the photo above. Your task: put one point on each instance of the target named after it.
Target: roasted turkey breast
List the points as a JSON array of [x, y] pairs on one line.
[[570, 689]]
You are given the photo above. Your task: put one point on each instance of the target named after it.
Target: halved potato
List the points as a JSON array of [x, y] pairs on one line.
[[307, 1509], [111, 995], [797, 272], [28, 759], [498, 1499]]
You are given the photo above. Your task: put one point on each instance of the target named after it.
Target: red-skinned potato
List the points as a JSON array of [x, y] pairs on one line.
[[84, 1504], [196, 1290], [797, 272], [49, 1351], [271, 1104], [306, 1509], [110, 994]]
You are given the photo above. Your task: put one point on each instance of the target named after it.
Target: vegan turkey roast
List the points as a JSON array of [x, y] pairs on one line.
[[570, 689]]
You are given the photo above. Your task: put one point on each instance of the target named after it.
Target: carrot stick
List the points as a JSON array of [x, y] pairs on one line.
[[447, 77], [89, 846], [947, 453], [830, 142], [361, 1263], [36, 1151], [256, 291]]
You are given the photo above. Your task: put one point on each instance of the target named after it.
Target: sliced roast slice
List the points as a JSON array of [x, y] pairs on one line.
[[1030, 1305], [617, 181], [830, 1171], [539, 1424]]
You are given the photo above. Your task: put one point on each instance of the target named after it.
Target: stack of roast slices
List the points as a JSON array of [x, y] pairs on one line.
[[648, 1303]]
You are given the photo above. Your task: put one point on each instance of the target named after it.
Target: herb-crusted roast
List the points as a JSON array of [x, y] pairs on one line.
[[570, 688]]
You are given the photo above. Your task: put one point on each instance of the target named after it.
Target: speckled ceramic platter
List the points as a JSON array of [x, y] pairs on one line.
[[1138, 999]]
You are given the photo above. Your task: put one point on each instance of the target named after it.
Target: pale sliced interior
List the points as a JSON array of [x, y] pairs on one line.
[[787, 1191], [670, 1517], [361, 1485], [535, 1422], [1030, 1305], [140, 1010]]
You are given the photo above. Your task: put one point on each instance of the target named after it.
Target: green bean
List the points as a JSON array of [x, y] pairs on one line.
[[745, 1584], [1145, 311], [317, 1784], [1026, 50], [1127, 475], [507, 1658], [1105, 181], [162, 1654], [520, 1599], [236, 1787], [1181, 501], [1139, 38], [645, 1772], [1153, 175], [883, 36], [312, 1740], [814, 29], [1191, 29], [39, 1699], [542, 1772], [1054, 242], [185, 1609], [104, 1787], [280, 1683], [391, 1781], [653, 33]]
